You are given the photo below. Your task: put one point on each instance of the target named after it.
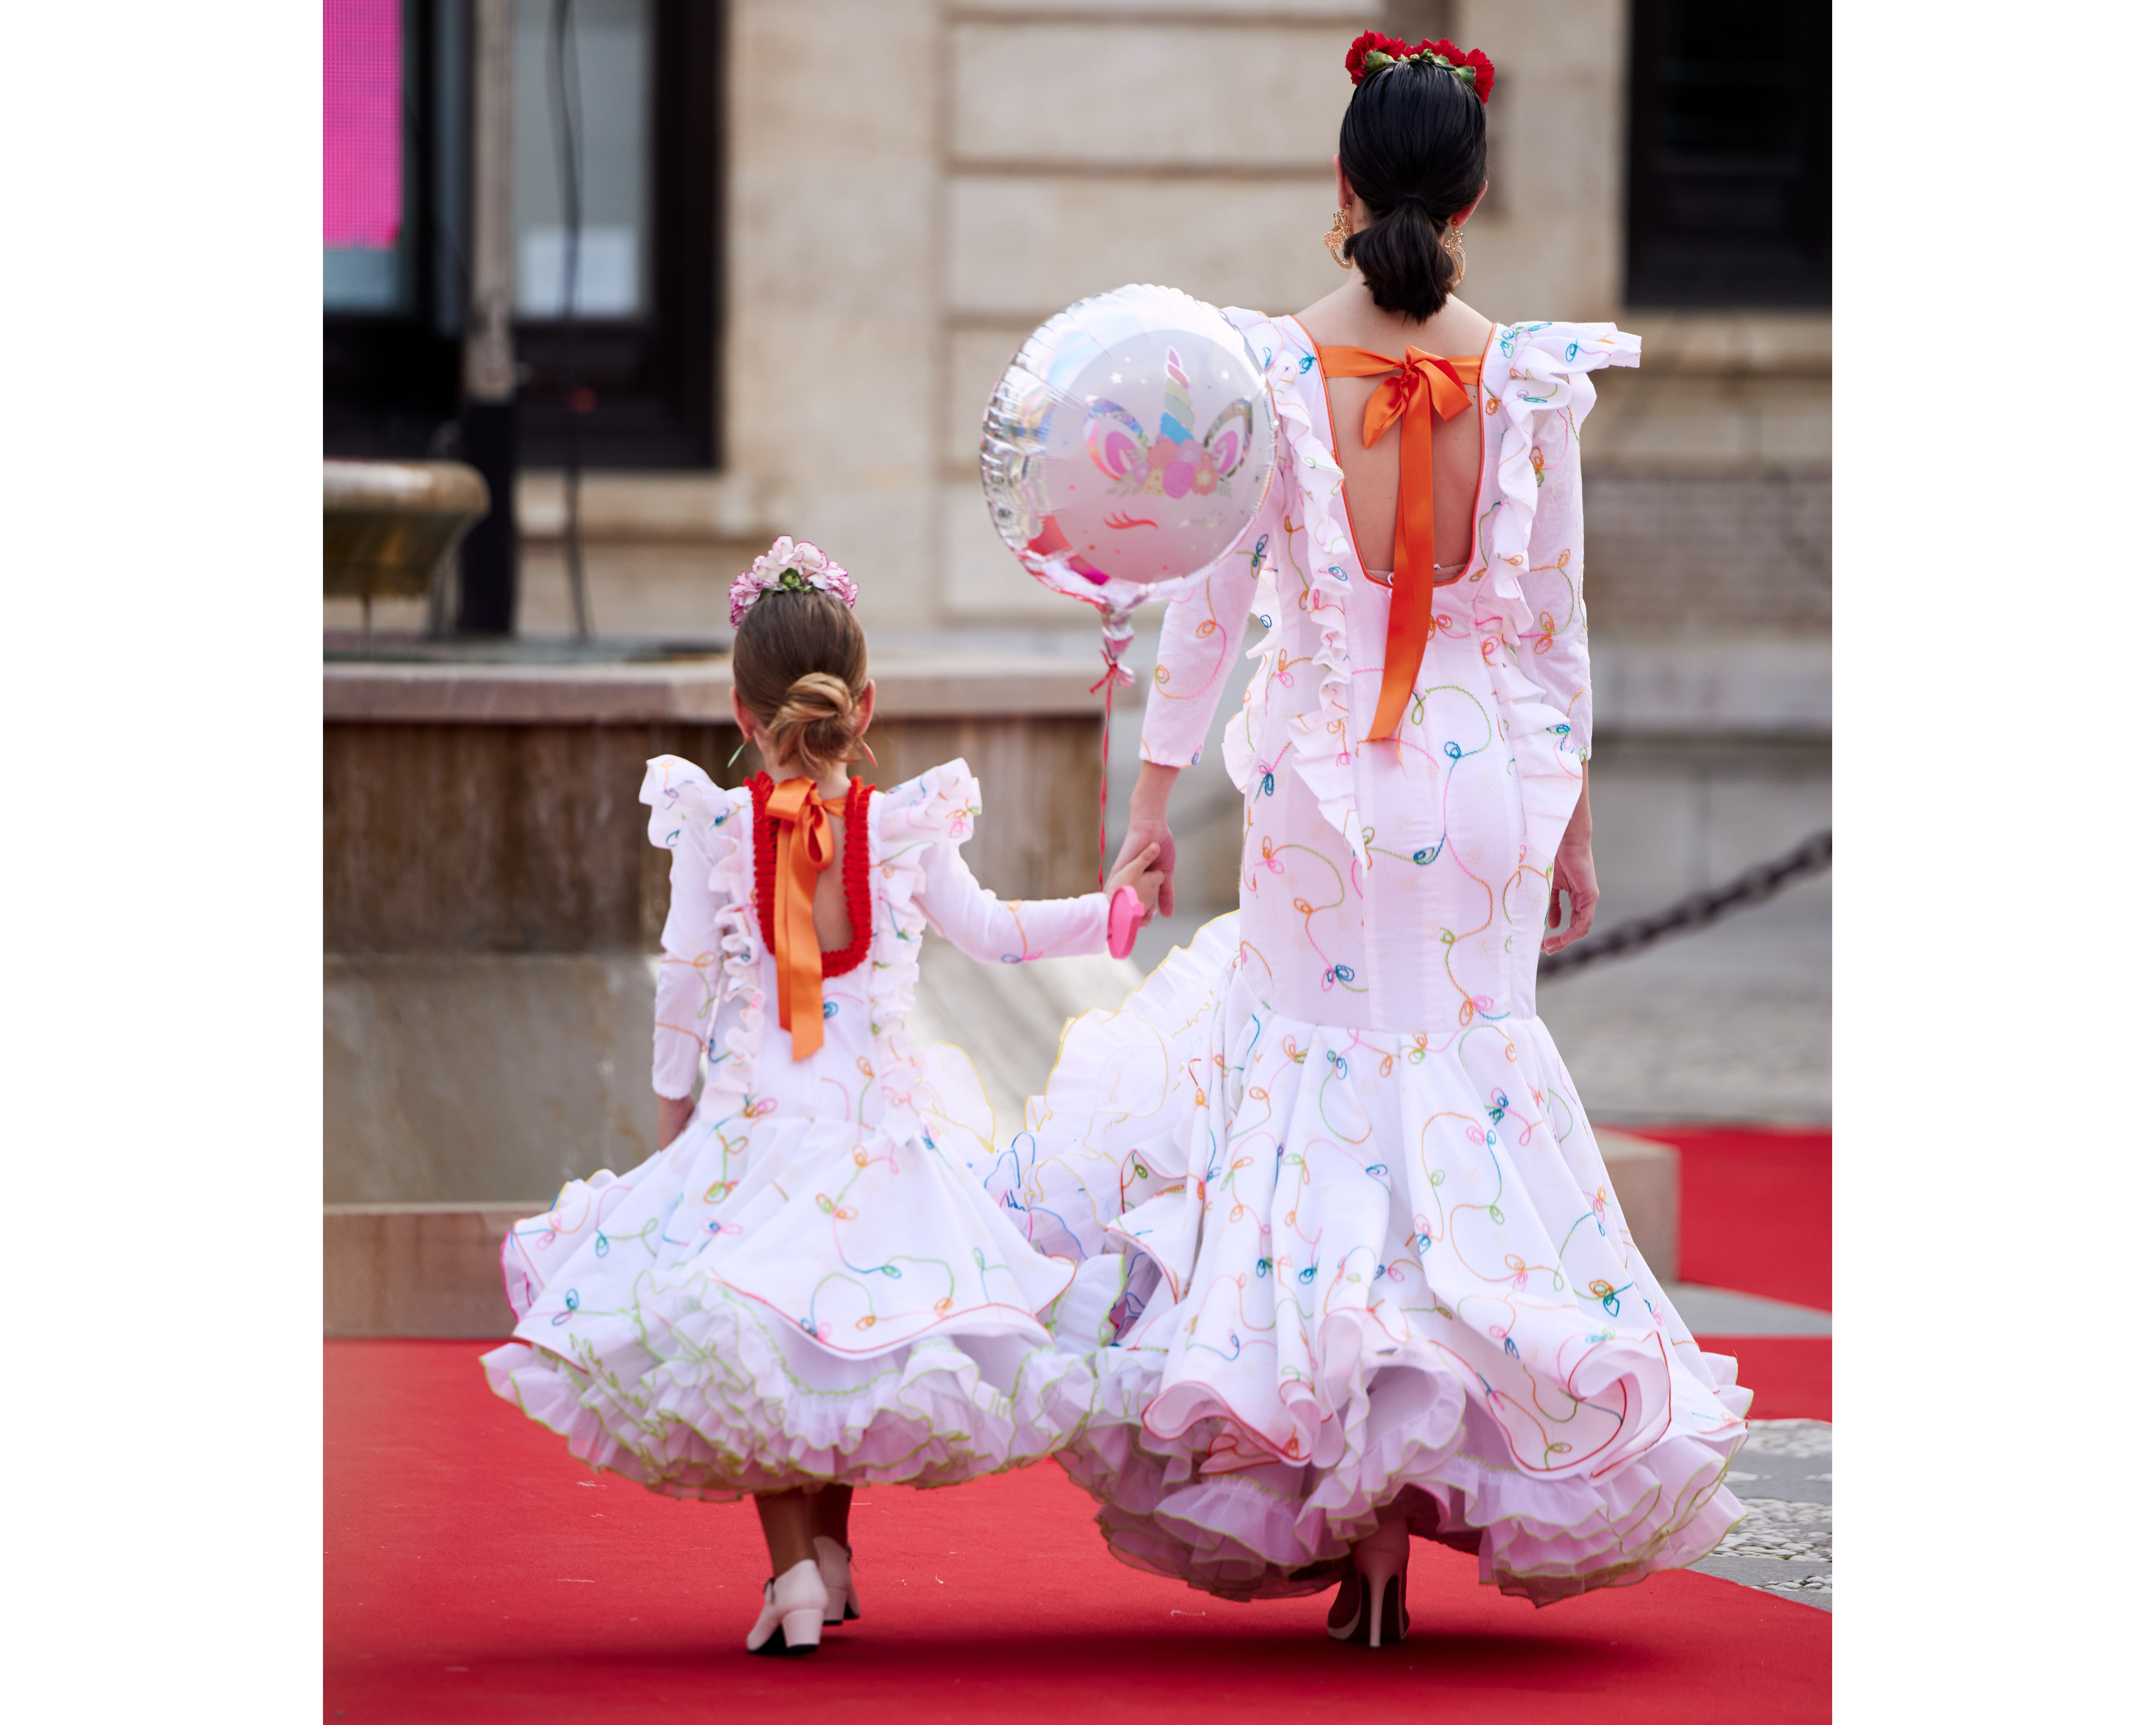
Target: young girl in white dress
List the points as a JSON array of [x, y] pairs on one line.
[[1380, 1283], [806, 1290]]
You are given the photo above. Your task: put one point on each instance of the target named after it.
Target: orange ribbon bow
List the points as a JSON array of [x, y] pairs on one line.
[[805, 850], [1417, 392]]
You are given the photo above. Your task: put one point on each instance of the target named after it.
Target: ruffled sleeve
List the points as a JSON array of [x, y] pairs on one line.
[[921, 824], [1202, 634], [1539, 391], [692, 820]]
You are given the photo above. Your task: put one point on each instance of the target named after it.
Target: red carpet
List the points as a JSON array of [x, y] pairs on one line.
[[1790, 1376], [1756, 1209], [1756, 1213], [476, 1573]]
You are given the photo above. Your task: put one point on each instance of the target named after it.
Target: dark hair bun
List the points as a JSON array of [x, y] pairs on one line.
[[1414, 148]]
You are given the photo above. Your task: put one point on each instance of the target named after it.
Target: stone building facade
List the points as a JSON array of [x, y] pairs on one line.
[[908, 187]]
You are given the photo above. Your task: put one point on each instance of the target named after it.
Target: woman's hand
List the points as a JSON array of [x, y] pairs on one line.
[[674, 1112], [1573, 874], [1149, 827]]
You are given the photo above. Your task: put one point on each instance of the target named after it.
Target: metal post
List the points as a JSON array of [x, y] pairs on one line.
[[488, 603]]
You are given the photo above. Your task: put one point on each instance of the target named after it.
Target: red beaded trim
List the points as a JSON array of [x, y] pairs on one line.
[[853, 868]]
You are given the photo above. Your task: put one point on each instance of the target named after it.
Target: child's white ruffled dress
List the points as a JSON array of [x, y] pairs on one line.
[[1376, 1254], [808, 1284]]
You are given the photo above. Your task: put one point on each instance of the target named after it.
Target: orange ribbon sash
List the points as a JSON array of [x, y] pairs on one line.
[[1417, 392], [805, 850]]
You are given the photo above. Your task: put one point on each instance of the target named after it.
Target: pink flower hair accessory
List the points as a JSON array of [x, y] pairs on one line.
[[790, 566]]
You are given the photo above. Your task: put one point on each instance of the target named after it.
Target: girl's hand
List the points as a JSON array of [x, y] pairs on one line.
[[1137, 872], [1574, 873], [674, 1112]]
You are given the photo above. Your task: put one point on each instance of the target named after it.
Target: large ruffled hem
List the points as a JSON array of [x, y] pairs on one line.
[[1279, 1530], [738, 1401], [788, 1302], [1364, 1269]]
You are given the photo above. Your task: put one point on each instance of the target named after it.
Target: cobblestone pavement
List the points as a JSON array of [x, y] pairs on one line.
[[1785, 1545], [1730, 1022]]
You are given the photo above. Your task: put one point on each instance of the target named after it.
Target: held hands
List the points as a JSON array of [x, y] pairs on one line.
[[1135, 869], [1149, 827]]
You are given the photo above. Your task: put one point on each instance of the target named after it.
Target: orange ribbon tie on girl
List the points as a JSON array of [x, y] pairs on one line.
[[1417, 392], [805, 850]]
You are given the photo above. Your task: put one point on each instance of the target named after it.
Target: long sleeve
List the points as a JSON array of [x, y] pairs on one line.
[[1007, 931], [1201, 639], [1553, 652], [688, 974]]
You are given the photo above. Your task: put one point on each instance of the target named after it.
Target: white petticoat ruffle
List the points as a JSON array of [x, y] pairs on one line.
[[668, 1331], [1364, 1269]]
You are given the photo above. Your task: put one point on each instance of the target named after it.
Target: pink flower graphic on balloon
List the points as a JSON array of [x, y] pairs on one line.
[[1175, 462]]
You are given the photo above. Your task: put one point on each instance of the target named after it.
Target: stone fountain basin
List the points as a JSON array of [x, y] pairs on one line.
[[388, 525]]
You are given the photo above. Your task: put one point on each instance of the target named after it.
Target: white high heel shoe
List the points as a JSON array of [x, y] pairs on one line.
[[836, 1563], [1381, 1575], [792, 1620]]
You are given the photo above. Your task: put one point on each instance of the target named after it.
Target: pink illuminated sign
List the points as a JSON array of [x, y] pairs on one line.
[[362, 122]]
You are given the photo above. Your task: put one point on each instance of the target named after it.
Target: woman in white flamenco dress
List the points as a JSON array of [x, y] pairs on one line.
[[1378, 1283], [806, 1289]]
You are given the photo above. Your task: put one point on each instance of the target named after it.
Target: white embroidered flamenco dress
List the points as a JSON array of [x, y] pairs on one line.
[[1374, 1255], [808, 1286]]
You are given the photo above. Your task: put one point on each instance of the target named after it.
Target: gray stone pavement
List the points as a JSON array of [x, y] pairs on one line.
[[1785, 1545], [1728, 1023], [1724, 1312]]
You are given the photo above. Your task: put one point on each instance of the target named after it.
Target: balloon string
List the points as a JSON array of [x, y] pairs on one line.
[[1113, 677], [1107, 718]]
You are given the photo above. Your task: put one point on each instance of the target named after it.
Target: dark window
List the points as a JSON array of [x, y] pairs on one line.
[[636, 364], [1730, 184], [393, 91]]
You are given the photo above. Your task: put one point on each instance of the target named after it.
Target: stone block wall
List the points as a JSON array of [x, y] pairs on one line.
[[530, 838]]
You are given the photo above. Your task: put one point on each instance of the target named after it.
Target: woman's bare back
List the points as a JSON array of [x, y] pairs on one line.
[[1347, 318]]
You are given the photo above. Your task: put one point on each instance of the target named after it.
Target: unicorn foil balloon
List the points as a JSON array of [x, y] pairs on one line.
[[1127, 447]]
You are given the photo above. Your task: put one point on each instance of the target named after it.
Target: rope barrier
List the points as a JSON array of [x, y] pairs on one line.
[[1698, 909]]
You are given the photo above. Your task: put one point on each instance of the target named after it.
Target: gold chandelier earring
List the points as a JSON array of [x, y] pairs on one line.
[[1455, 249], [1336, 237]]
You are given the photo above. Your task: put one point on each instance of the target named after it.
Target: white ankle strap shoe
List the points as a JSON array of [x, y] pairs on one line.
[[792, 1620], [836, 1563]]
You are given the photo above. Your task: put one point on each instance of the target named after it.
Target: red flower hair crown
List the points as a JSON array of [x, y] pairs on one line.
[[1372, 52]]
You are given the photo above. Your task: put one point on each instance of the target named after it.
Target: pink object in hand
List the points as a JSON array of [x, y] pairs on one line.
[[1125, 913]]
